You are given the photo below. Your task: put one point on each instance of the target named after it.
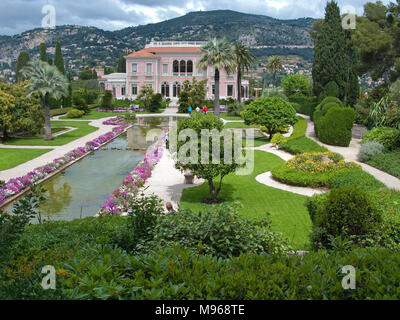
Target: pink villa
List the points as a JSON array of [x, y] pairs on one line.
[[164, 66]]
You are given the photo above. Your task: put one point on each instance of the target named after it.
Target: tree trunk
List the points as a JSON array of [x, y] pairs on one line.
[[213, 192], [216, 101], [47, 124], [239, 85]]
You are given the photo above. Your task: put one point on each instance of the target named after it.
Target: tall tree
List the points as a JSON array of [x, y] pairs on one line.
[[218, 54], [43, 53], [58, 59], [47, 82], [244, 58], [377, 41], [330, 54], [275, 65], [121, 65], [22, 61]]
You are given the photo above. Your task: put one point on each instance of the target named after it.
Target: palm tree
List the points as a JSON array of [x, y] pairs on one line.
[[244, 59], [275, 65], [219, 54], [46, 81]]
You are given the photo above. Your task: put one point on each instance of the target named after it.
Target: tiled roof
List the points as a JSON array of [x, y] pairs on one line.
[[152, 52]]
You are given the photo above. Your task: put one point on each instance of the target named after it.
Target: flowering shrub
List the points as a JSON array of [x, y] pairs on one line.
[[118, 202], [314, 162], [15, 186]]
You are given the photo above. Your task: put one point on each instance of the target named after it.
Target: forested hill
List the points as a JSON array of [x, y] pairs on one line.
[[90, 45]]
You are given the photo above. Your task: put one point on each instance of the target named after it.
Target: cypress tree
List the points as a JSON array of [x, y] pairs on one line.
[[331, 57], [50, 61], [121, 65], [22, 61], [43, 53], [58, 59]]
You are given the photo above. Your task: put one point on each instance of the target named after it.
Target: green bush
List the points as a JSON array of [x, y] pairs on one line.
[[296, 85], [75, 113], [335, 128], [106, 100], [59, 112], [387, 162], [370, 149], [389, 137], [304, 104], [331, 89], [348, 213], [219, 231], [235, 109], [330, 99], [278, 139]]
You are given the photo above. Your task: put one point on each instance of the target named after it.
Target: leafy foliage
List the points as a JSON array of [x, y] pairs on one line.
[[370, 149], [389, 137], [272, 113], [192, 95], [296, 85]]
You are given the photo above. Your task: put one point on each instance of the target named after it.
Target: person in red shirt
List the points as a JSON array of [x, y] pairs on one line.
[[205, 110]]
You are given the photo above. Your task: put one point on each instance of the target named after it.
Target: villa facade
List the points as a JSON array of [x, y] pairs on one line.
[[164, 66]]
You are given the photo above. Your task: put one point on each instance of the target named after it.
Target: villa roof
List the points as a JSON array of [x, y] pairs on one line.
[[153, 51]]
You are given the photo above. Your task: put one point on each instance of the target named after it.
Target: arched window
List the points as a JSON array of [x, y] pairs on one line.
[[176, 66], [190, 66], [165, 89], [242, 92], [183, 66], [176, 89]]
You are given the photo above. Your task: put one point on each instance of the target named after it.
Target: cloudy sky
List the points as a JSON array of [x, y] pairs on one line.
[[20, 15]]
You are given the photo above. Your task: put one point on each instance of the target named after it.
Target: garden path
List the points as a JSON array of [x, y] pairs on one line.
[[57, 152], [351, 154]]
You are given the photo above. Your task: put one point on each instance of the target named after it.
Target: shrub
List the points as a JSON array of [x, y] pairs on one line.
[[106, 100], [156, 102], [347, 213], [235, 109], [272, 113], [306, 104], [296, 85], [388, 162], [335, 128], [75, 113], [219, 231], [278, 139], [330, 99], [59, 112], [389, 137], [331, 89], [370, 149]]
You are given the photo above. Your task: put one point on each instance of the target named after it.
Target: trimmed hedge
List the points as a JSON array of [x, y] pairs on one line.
[[59, 112], [304, 105], [335, 128]]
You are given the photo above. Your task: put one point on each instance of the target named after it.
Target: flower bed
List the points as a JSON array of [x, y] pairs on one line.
[[15, 186], [118, 202]]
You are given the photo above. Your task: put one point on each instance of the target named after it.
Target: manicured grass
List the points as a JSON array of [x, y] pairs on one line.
[[288, 213], [10, 158], [238, 125], [83, 129], [230, 118], [299, 143], [388, 162], [95, 115]]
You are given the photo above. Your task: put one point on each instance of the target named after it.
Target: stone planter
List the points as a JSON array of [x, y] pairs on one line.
[[189, 177]]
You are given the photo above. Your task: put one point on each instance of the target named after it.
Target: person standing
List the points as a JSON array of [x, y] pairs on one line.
[[205, 110], [198, 109], [190, 110]]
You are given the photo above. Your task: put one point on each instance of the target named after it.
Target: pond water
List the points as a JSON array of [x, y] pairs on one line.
[[81, 189]]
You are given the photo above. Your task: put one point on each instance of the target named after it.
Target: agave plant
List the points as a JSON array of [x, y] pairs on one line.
[[46, 81]]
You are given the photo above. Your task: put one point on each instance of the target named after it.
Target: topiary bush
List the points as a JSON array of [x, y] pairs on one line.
[[389, 137], [335, 128], [75, 113], [304, 104], [370, 149], [347, 213], [278, 139]]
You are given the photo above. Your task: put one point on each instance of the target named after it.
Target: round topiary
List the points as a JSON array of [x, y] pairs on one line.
[[347, 212]]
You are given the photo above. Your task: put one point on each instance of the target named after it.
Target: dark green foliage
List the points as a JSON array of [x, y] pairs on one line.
[[59, 112], [354, 89], [387, 162], [58, 59], [88, 74], [43, 53], [389, 137], [331, 57], [348, 213], [297, 85], [121, 65], [22, 61], [306, 104], [156, 102], [106, 100], [335, 127], [79, 101], [235, 109], [331, 90]]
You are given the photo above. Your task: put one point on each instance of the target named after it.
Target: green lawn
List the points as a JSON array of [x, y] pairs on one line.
[[230, 118], [95, 115], [288, 212], [83, 129], [388, 162], [238, 125], [10, 158]]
